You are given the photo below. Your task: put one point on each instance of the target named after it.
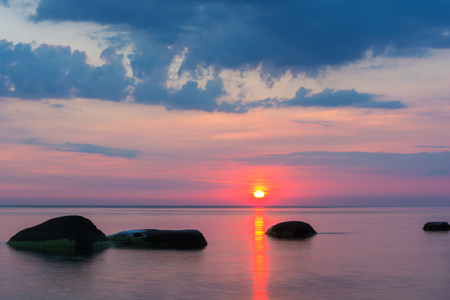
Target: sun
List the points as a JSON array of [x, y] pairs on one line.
[[258, 194]]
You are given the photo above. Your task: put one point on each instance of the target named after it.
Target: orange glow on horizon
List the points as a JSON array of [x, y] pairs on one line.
[[261, 184]]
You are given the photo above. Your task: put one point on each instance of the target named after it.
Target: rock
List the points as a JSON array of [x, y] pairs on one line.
[[291, 230], [436, 226], [62, 233], [154, 238]]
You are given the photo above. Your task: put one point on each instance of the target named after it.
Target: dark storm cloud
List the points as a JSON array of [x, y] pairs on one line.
[[85, 148], [300, 36], [283, 34], [425, 163], [57, 72]]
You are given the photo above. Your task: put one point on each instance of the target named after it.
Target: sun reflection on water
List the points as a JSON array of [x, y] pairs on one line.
[[259, 257]]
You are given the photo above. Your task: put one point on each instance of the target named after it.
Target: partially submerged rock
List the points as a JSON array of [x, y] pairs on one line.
[[291, 230], [62, 233], [154, 238], [436, 226]]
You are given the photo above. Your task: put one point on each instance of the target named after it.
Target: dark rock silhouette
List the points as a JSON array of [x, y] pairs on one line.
[[291, 229], [436, 226], [66, 232], [154, 238]]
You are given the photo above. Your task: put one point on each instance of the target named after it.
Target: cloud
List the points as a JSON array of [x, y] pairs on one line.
[[328, 98], [314, 123], [57, 105], [424, 163], [154, 184], [190, 96], [303, 37], [50, 71], [332, 98], [427, 146], [56, 72], [89, 148], [85, 148], [282, 34]]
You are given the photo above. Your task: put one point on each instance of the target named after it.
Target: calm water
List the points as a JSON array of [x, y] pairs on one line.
[[359, 253]]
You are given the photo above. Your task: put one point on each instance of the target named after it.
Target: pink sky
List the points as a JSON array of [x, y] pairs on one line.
[[198, 158]]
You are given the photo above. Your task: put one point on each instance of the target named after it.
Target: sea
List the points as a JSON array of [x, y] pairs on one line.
[[358, 253]]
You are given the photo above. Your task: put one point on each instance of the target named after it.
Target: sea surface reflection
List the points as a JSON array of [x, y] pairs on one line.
[[259, 257]]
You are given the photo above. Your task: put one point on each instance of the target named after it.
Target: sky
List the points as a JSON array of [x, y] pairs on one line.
[[200, 102]]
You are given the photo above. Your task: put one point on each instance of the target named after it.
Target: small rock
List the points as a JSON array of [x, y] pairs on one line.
[[165, 239], [291, 229], [436, 226]]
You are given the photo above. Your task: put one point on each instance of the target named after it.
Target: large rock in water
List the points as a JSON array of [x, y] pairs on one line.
[[154, 238], [436, 226], [62, 233], [291, 230]]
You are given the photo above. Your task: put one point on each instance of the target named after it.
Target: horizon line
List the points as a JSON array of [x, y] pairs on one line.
[[208, 206]]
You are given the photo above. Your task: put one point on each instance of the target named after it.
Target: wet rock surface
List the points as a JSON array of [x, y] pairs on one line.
[[291, 230], [164, 239], [436, 226], [75, 232]]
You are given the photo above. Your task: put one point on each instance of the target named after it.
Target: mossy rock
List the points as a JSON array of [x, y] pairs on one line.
[[291, 230], [436, 226], [163, 239], [61, 234]]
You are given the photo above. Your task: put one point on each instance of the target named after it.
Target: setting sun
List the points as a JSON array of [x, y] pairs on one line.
[[258, 194]]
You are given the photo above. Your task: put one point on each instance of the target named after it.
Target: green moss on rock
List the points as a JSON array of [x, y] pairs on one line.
[[64, 243]]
